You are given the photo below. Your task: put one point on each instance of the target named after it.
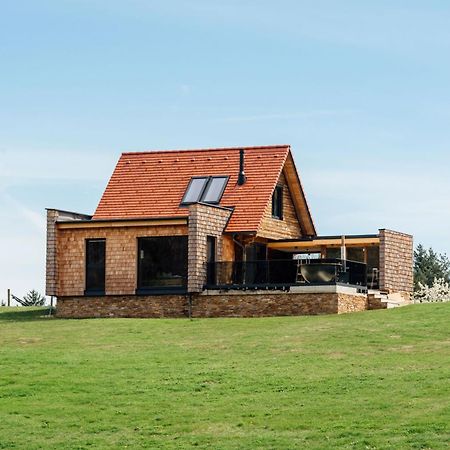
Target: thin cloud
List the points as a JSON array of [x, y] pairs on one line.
[[32, 217], [288, 116], [28, 165]]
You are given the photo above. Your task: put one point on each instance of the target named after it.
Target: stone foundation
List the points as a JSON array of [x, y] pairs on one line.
[[276, 304], [248, 304], [375, 303], [123, 306]]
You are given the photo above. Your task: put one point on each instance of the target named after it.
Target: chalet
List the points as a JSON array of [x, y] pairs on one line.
[[215, 232]]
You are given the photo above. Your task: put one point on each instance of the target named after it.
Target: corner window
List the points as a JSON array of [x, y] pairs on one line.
[[277, 203], [95, 266], [162, 263], [205, 189]]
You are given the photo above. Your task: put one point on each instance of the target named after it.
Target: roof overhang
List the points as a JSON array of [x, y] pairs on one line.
[[120, 223], [298, 197]]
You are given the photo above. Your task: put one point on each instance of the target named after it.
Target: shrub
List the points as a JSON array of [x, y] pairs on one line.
[[439, 291]]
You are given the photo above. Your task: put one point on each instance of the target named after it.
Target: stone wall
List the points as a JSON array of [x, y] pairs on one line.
[[239, 304], [288, 227], [204, 220], [121, 256], [275, 304], [396, 262], [374, 302], [352, 303], [123, 306]]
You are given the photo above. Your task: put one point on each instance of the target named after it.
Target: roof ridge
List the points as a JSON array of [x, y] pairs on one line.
[[256, 147]]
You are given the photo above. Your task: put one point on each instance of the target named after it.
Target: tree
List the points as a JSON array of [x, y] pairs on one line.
[[33, 298], [428, 266]]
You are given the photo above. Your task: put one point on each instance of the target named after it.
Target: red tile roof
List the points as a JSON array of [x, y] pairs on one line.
[[152, 184]]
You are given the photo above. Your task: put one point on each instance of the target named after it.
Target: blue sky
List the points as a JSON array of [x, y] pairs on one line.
[[359, 89]]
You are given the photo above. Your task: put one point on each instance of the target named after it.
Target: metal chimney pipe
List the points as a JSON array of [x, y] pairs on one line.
[[241, 177]]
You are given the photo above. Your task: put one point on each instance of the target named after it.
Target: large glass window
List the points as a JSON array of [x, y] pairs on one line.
[[162, 263], [95, 266], [355, 254], [334, 253]]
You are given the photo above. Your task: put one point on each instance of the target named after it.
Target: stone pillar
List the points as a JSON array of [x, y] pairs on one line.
[[204, 220], [396, 263]]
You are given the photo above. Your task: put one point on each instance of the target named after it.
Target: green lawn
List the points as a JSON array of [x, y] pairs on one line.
[[371, 380]]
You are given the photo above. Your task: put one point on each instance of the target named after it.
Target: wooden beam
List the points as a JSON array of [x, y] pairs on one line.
[[318, 243]]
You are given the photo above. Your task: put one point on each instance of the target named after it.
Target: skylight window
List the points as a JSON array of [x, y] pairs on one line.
[[195, 190], [205, 189], [214, 189]]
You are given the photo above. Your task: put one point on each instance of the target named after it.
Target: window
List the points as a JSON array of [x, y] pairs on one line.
[[162, 263], [195, 190], [214, 189], [205, 189], [95, 266], [277, 203], [211, 245]]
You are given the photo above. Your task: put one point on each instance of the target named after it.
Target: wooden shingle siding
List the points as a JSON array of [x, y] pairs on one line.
[[51, 262], [204, 220], [396, 262], [121, 256], [288, 227]]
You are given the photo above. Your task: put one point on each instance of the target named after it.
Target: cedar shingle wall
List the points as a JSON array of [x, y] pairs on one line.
[[204, 220], [121, 256], [51, 261], [288, 228], [396, 262]]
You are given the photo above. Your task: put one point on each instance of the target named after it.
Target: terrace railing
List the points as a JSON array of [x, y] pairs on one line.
[[283, 273]]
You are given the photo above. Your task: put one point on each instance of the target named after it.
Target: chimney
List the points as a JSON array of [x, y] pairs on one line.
[[241, 176]]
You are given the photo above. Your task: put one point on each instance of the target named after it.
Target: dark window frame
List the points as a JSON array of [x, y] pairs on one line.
[[183, 202], [89, 291], [208, 185], [211, 258], [205, 190], [154, 290], [277, 202]]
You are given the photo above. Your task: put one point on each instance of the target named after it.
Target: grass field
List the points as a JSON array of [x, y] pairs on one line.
[[372, 380]]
